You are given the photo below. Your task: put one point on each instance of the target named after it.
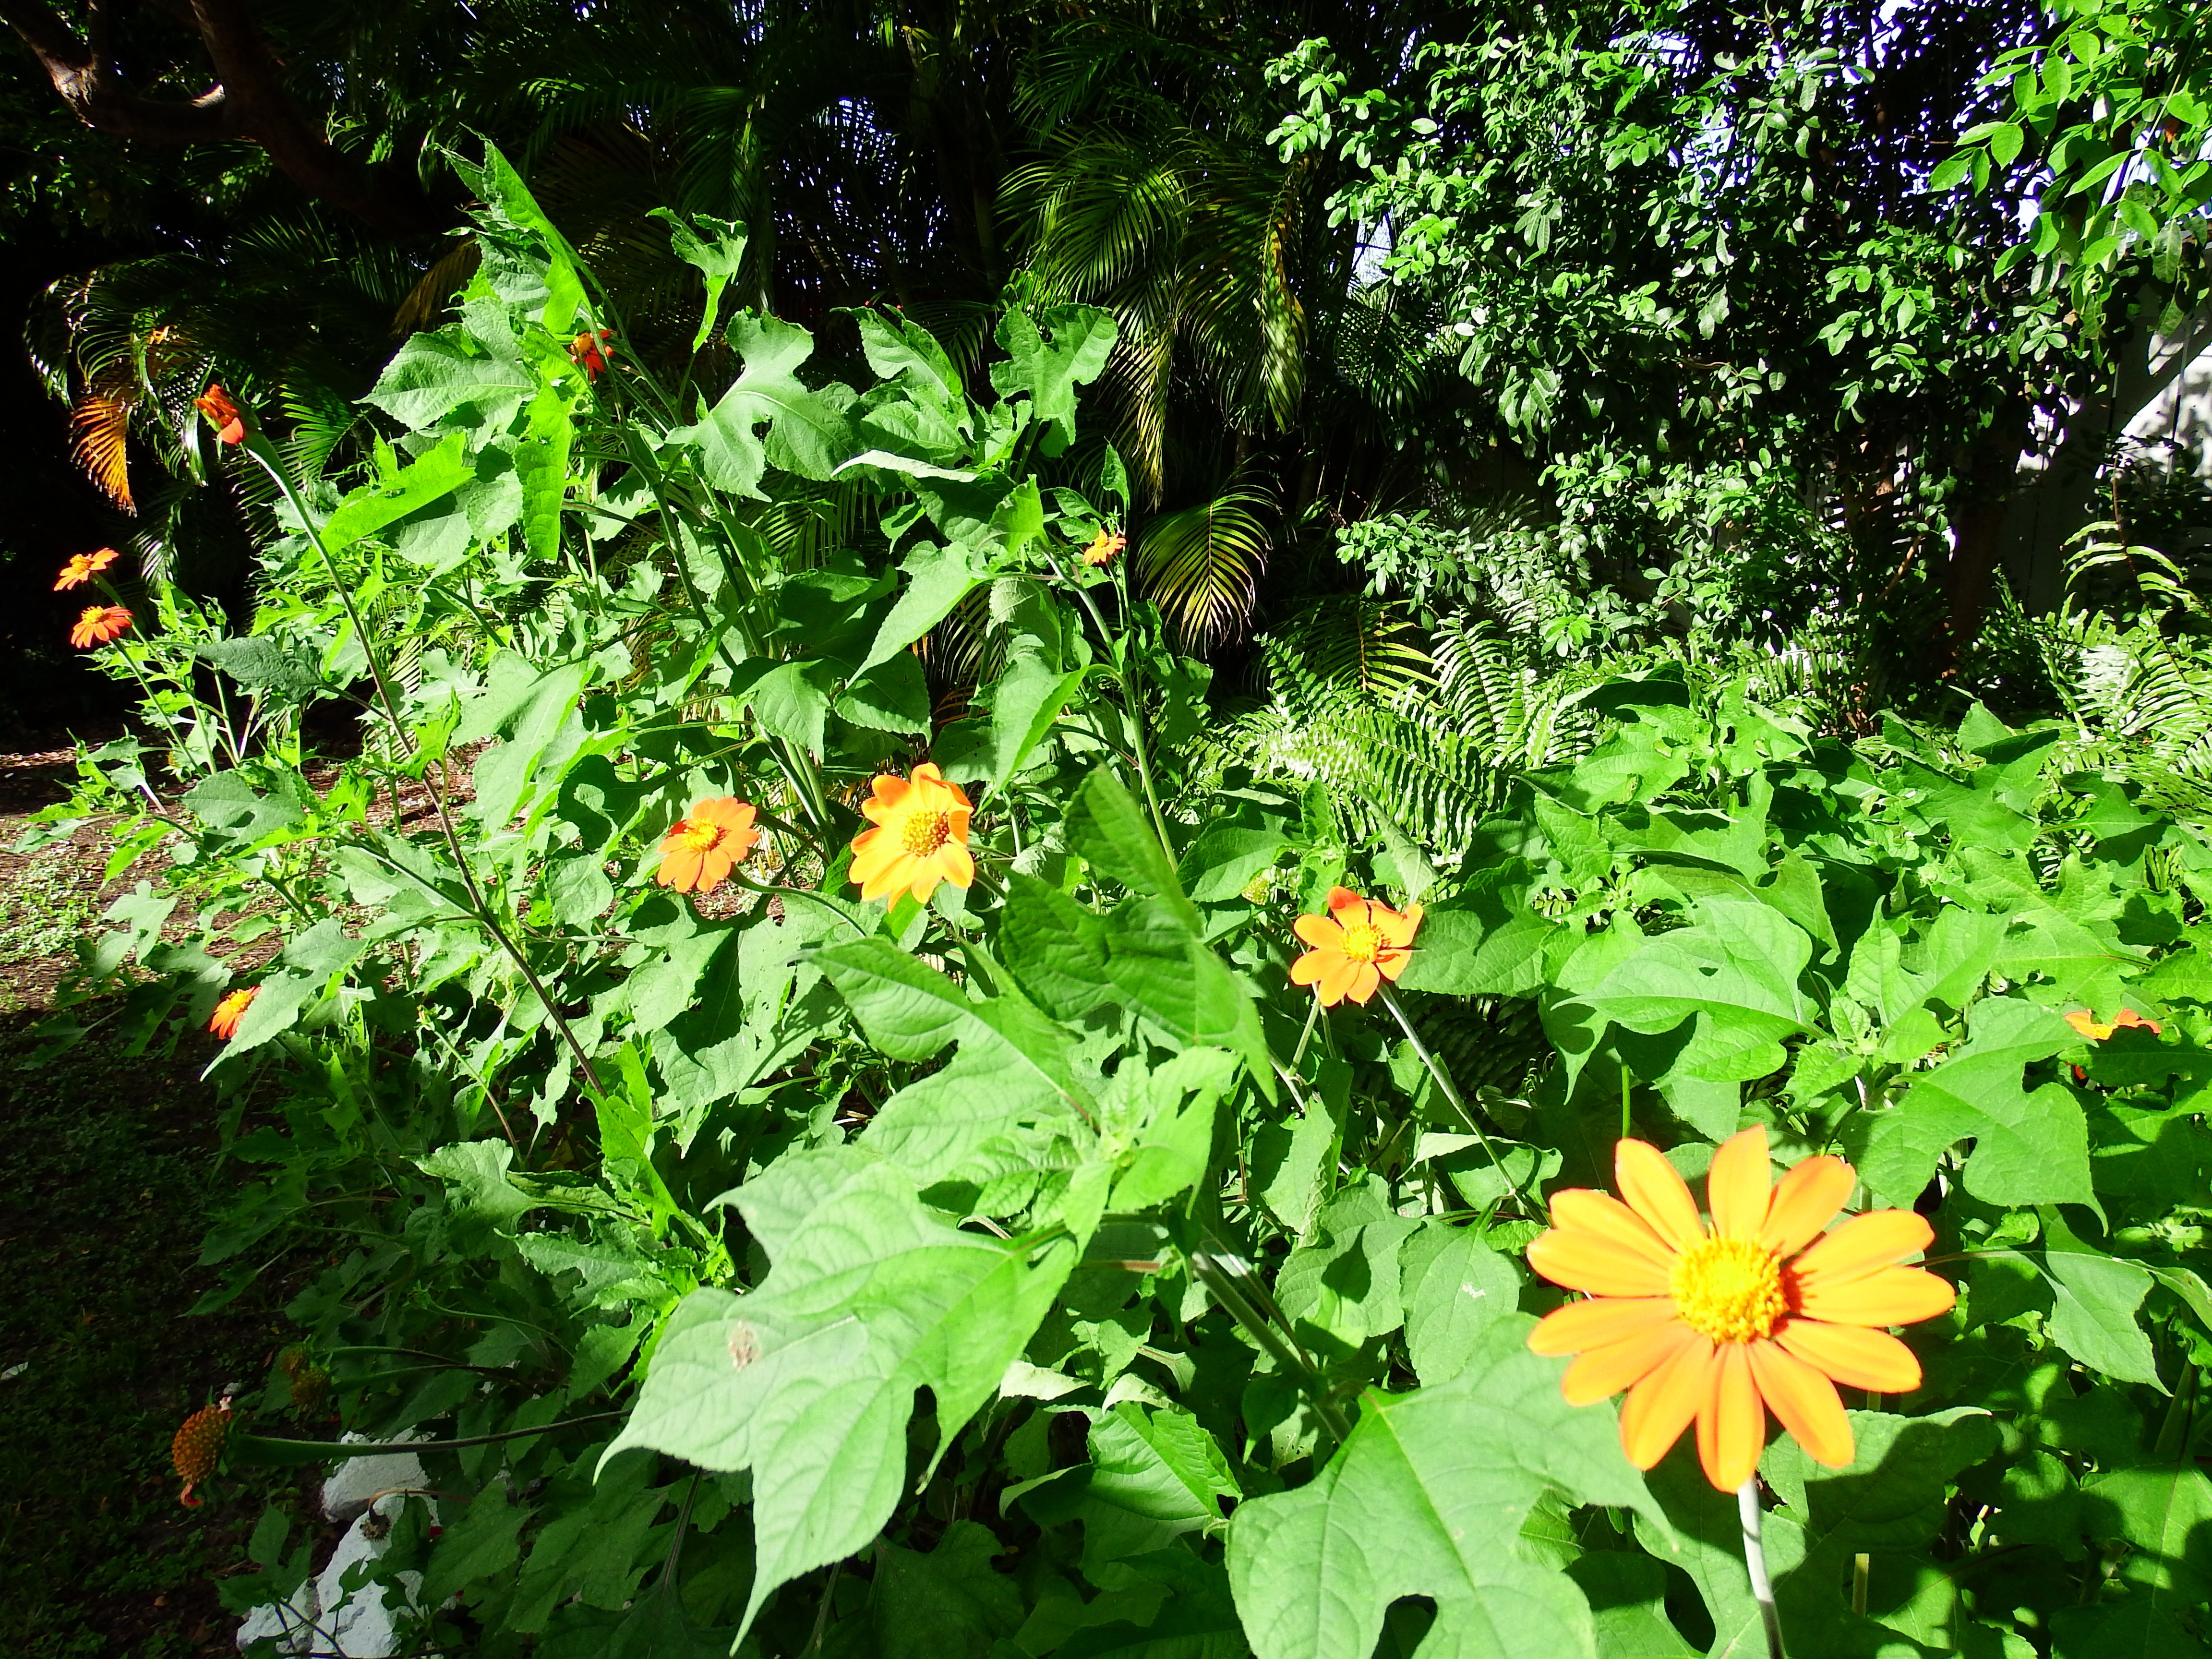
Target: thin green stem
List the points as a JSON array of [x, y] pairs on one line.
[[1450, 1092], [1221, 1275], [257, 446]]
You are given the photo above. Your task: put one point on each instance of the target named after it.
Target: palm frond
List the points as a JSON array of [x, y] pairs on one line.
[[1201, 565], [100, 433]]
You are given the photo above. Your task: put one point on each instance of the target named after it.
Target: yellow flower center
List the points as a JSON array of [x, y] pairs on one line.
[[923, 833], [701, 837], [1729, 1289], [1363, 942]]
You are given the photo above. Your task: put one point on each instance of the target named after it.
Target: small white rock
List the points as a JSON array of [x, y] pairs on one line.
[[347, 1493], [361, 1626], [290, 1623]]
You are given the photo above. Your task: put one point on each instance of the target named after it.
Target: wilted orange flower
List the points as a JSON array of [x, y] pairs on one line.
[[231, 1010], [97, 624], [1356, 946], [919, 837], [703, 847], [222, 414], [82, 568], [1719, 1325], [590, 352], [197, 1445], [1104, 550], [2096, 1030]]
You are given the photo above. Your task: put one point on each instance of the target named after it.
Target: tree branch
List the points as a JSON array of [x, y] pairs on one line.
[[249, 105]]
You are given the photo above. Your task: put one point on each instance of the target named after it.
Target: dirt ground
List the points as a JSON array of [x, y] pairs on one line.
[[110, 1173]]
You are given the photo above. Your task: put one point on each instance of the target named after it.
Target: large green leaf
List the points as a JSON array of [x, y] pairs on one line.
[[809, 432], [1153, 1477], [2028, 1148], [809, 1381], [1737, 966], [1427, 1497]]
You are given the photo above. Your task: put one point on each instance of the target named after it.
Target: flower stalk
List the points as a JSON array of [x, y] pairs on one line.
[[1754, 1562]]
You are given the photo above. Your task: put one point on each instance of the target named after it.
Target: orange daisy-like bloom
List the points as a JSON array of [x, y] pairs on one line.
[[231, 1010], [703, 847], [918, 838], [1356, 946], [1719, 1325], [590, 352], [97, 624], [1104, 548], [82, 568], [2096, 1030], [223, 415]]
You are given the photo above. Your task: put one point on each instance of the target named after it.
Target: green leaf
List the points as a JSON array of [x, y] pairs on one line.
[[1025, 701], [479, 1169], [2029, 1149], [1047, 356], [435, 376], [1168, 976], [937, 578], [910, 1012], [948, 1604], [2166, 1515], [1486, 942], [1154, 1476], [809, 432], [1456, 1288], [431, 477], [716, 248], [1426, 1498], [484, 1541], [1106, 826], [809, 1379], [1738, 965], [2093, 1315]]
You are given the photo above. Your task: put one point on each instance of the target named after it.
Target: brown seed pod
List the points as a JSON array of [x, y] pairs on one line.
[[198, 1442]]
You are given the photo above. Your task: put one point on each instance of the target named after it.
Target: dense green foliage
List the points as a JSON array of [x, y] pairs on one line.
[[1036, 1270]]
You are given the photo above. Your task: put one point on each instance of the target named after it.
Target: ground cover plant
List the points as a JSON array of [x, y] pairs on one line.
[[855, 1116]]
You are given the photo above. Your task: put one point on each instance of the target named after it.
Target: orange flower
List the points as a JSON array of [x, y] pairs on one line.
[[97, 624], [222, 414], [231, 1010], [702, 848], [1719, 1325], [2096, 1030], [1104, 550], [919, 837], [82, 568], [1356, 946], [590, 352]]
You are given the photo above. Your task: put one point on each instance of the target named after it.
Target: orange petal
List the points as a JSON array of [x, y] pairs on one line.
[[679, 870], [1737, 1185], [1584, 1261], [955, 820], [1853, 1355], [1398, 930], [873, 850], [1608, 1217], [1805, 1200], [1888, 1296], [1342, 899], [1863, 1244], [924, 879], [714, 869], [1311, 966], [956, 864], [1662, 1406], [1805, 1401], [1365, 979], [1319, 932], [1654, 1189], [1391, 963], [1731, 1422], [895, 873], [1602, 1372], [1601, 1319], [1337, 976], [2086, 1024]]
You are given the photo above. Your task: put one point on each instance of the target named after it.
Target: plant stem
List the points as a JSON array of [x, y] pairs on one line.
[[258, 447], [1444, 1085], [1218, 1274], [1754, 1561]]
